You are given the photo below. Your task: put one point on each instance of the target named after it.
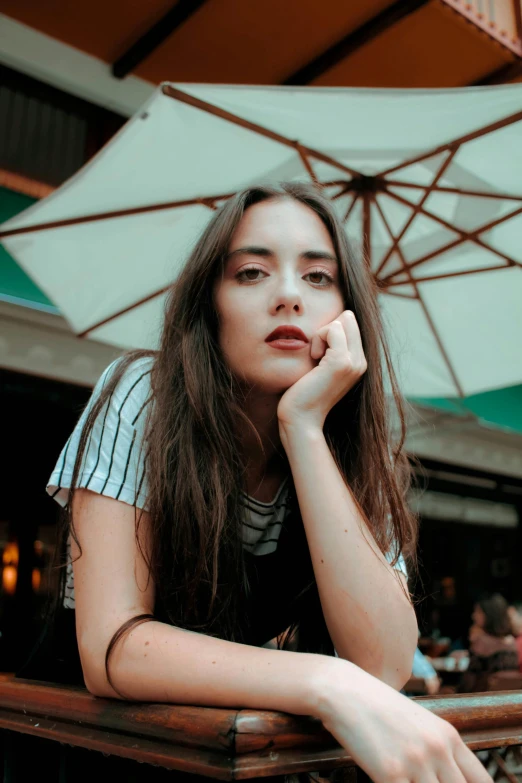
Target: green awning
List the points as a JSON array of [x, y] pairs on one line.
[[501, 407], [15, 285]]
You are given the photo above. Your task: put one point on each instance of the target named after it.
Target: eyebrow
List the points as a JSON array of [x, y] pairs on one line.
[[309, 255]]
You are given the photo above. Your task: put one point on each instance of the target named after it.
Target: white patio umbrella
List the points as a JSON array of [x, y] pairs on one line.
[[428, 182]]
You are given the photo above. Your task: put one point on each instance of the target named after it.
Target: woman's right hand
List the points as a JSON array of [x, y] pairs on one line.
[[393, 739]]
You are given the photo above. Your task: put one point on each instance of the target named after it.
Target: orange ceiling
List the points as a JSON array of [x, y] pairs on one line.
[[265, 41], [103, 28], [255, 42], [433, 47]]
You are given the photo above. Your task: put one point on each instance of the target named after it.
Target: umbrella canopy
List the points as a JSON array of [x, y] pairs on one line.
[[428, 182]]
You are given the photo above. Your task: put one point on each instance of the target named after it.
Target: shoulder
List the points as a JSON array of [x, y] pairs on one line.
[[109, 436], [130, 388]]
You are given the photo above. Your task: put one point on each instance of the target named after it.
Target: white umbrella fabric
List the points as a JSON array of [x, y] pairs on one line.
[[428, 182]]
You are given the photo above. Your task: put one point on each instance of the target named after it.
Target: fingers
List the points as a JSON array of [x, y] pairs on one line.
[[318, 347], [451, 773], [344, 337], [330, 336], [352, 334], [469, 765], [353, 337], [336, 336]]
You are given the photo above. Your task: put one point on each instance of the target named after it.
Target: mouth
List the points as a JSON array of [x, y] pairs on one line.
[[287, 333], [287, 338]]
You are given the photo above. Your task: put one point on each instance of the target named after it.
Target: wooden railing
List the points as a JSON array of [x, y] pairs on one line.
[[225, 744]]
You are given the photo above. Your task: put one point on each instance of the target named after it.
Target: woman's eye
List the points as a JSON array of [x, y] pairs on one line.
[[249, 275], [328, 279]]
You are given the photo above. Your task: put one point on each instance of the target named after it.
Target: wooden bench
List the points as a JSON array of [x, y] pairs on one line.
[[225, 744]]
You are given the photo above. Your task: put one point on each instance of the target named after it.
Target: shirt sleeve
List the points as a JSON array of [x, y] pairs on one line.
[[113, 460], [422, 667], [400, 565], [390, 555]]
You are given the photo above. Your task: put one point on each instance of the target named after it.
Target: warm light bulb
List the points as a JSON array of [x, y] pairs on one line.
[[9, 577], [10, 555], [36, 579]]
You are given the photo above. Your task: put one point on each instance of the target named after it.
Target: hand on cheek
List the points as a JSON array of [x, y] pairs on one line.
[[318, 345], [337, 347]]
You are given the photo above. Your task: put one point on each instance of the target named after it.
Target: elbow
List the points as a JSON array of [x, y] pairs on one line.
[[95, 675], [404, 666], [398, 664], [97, 687], [397, 674], [400, 676], [96, 682]]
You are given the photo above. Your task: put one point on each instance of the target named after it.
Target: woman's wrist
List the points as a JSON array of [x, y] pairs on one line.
[[299, 433], [337, 676]]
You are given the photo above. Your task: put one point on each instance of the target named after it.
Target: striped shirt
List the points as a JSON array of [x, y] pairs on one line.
[[113, 464]]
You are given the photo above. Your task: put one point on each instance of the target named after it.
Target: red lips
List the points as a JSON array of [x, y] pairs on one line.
[[287, 333]]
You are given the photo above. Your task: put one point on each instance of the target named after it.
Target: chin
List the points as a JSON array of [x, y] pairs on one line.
[[277, 381]]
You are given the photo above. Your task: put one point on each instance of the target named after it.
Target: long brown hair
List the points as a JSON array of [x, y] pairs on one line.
[[195, 470]]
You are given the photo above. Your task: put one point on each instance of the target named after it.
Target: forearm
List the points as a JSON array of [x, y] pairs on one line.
[[369, 617], [160, 663]]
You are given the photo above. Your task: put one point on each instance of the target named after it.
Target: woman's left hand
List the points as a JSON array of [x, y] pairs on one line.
[[342, 363]]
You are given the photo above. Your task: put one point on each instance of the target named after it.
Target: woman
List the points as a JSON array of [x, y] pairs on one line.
[[492, 647], [239, 486]]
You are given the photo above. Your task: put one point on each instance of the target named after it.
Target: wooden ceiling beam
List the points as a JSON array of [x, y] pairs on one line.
[[155, 36], [502, 75], [354, 41]]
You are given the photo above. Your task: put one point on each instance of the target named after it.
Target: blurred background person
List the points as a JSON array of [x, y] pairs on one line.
[[515, 617], [492, 646]]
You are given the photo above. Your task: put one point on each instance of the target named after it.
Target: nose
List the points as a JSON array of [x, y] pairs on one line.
[[287, 296]]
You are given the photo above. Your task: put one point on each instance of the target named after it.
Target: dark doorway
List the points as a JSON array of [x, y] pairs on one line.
[[37, 416]]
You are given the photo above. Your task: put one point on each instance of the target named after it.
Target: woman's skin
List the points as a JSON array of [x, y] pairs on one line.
[[393, 739]]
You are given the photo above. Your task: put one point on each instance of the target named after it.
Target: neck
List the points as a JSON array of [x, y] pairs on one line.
[[264, 455]]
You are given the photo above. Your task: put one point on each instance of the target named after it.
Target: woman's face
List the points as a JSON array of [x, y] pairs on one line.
[[281, 270]]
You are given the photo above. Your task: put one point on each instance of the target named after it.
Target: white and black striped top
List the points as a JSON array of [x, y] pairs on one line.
[[113, 463]]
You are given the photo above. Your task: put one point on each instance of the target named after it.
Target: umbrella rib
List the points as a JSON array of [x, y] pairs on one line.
[[510, 261], [427, 257], [452, 274], [350, 208], [391, 235], [306, 163], [421, 301], [344, 190], [416, 208], [367, 228], [468, 237], [431, 324], [397, 293], [512, 118], [459, 191], [339, 193], [124, 310], [209, 108], [207, 201], [465, 236]]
